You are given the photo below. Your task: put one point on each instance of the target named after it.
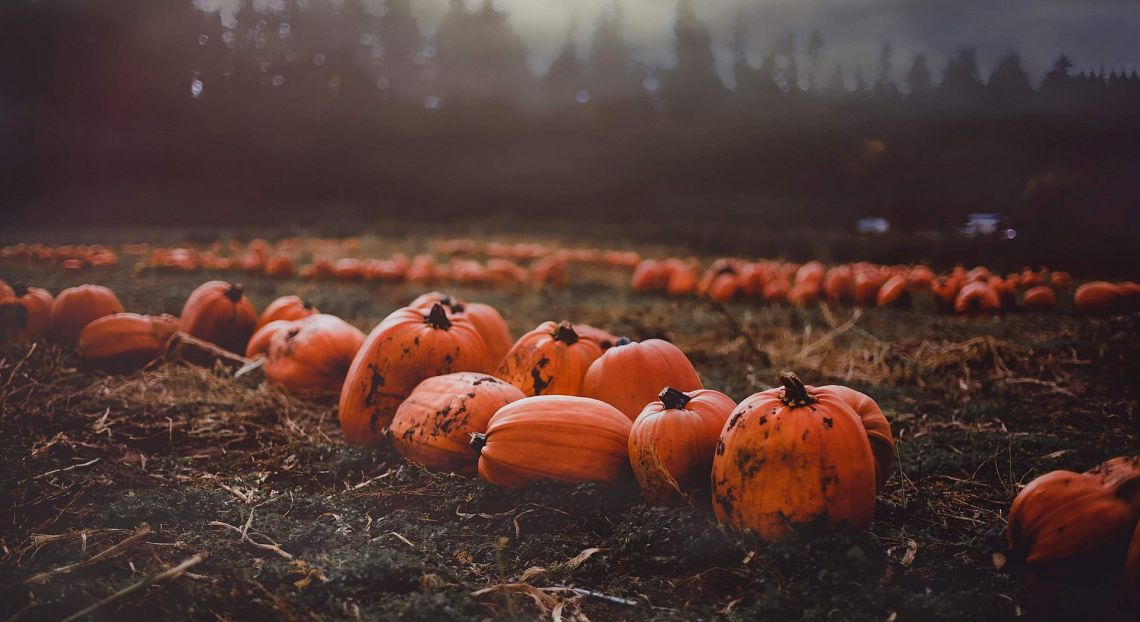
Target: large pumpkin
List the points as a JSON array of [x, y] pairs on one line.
[[549, 360], [1097, 297], [1039, 298], [554, 437], [125, 340], [875, 424], [220, 313], [630, 375], [672, 441], [487, 320], [977, 298], [310, 357], [25, 315], [76, 307], [433, 427], [789, 456], [409, 346], [285, 308]]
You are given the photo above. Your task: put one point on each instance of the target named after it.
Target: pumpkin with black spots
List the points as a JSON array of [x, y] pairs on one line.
[[125, 341], [549, 360], [554, 437], [310, 357], [25, 315], [487, 320], [408, 347], [789, 456], [220, 313], [630, 375], [433, 427], [672, 441], [76, 307]]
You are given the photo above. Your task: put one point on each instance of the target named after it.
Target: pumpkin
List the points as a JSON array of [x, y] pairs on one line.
[[549, 360], [811, 272], [409, 346], [867, 286], [945, 292], [920, 277], [977, 298], [789, 456], [672, 441], [804, 294], [650, 275], [487, 320], [310, 357], [433, 427], [259, 343], [874, 423], [893, 293], [220, 313], [554, 437], [25, 314], [1132, 568], [723, 288], [1039, 298], [76, 307], [682, 279], [1060, 280], [630, 374], [838, 285], [285, 308], [280, 266], [6, 292], [1097, 297], [125, 340], [604, 339]]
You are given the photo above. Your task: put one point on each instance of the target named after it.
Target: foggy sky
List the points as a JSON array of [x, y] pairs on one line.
[[1095, 33]]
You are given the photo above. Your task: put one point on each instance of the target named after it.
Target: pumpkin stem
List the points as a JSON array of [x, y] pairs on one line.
[[566, 333], [235, 292], [622, 341], [673, 399], [478, 441], [795, 393], [437, 317], [19, 289], [306, 305]]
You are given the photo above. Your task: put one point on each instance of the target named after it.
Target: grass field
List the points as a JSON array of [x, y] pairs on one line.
[[295, 525]]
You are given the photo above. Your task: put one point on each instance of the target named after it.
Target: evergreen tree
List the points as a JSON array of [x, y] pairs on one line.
[[815, 52], [611, 76], [918, 78], [1009, 84], [565, 79], [692, 86]]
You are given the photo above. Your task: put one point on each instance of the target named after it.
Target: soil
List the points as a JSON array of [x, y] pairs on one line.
[[979, 407]]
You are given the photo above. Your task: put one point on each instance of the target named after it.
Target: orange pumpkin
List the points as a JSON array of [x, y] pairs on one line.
[[1132, 568], [804, 294], [76, 307], [789, 456], [6, 292], [549, 360], [409, 346], [1097, 297], [630, 374], [285, 308], [221, 314], [839, 285], [672, 441], [25, 314], [874, 423], [310, 357], [723, 288], [977, 298], [682, 279], [487, 320], [433, 427], [945, 292], [649, 276], [1039, 298], [259, 343], [893, 293], [125, 340], [867, 286], [920, 277], [604, 339], [554, 437]]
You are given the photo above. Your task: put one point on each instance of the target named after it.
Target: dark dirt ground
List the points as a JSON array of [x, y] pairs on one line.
[[978, 407]]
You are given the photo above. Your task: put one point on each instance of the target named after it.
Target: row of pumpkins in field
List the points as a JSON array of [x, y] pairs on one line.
[[443, 381], [966, 292]]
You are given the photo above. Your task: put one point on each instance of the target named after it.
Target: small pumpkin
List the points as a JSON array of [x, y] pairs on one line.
[[1039, 298], [487, 320], [220, 313], [723, 288], [409, 346], [977, 298], [604, 339], [24, 315], [285, 308], [125, 340], [433, 427], [76, 307], [672, 441], [789, 456], [630, 375], [650, 275], [1097, 297], [310, 357], [839, 285], [552, 359], [554, 437]]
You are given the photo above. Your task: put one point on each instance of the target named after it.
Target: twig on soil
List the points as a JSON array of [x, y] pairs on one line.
[[831, 335], [741, 331], [111, 551], [165, 575], [247, 536], [61, 470]]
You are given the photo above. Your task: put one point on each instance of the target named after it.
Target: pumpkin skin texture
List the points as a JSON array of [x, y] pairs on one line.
[[310, 357], [221, 314], [285, 308], [788, 456], [1039, 298], [125, 340], [604, 339], [672, 441], [26, 315], [433, 427], [629, 376], [1097, 297], [487, 320], [876, 425], [554, 437], [549, 360], [259, 343], [977, 298], [893, 293], [408, 347], [76, 307]]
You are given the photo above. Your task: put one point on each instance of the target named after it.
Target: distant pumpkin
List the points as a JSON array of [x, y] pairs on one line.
[[286, 308], [76, 307], [1097, 297], [25, 315]]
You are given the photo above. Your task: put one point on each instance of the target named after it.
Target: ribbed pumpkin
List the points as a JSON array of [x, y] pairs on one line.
[[409, 346], [259, 342], [672, 441], [1097, 297], [433, 427], [76, 307], [790, 456], [25, 315], [554, 437], [220, 313], [874, 423], [630, 375], [604, 339], [487, 320], [977, 298], [285, 308], [549, 360], [311, 356], [1039, 298], [125, 340]]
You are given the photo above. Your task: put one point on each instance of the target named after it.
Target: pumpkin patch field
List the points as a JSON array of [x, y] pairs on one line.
[[430, 428]]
